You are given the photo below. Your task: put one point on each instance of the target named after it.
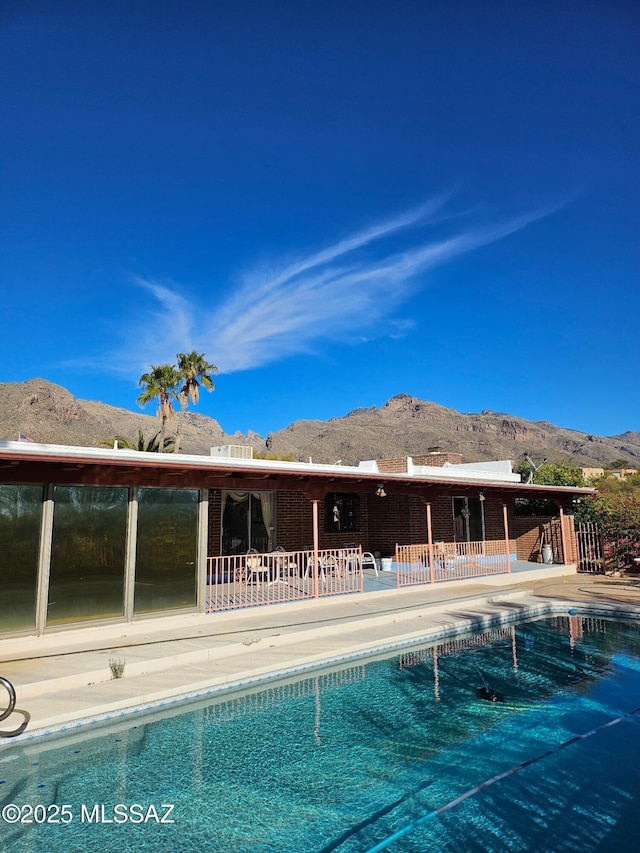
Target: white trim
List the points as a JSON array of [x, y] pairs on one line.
[[202, 550], [130, 553], [488, 473], [44, 560]]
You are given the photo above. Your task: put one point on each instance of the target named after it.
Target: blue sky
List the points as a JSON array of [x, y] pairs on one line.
[[335, 201]]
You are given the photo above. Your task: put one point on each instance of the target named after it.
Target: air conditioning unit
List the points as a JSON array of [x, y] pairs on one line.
[[232, 451]]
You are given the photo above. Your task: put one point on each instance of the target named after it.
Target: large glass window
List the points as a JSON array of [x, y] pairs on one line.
[[20, 520], [87, 553], [166, 552]]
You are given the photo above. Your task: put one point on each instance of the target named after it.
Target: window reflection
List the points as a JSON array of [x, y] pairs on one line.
[[20, 520], [87, 553], [166, 550]]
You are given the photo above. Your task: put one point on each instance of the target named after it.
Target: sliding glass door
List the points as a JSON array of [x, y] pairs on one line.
[[468, 520], [247, 522], [20, 520], [88, 549], [166, 549]]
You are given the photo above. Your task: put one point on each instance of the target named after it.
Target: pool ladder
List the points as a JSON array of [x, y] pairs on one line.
[[11, 708]]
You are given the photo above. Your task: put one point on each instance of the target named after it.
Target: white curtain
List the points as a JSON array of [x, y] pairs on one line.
[[268, 503], [237, 496]]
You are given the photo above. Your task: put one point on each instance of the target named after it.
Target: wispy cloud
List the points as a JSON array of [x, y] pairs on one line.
[[343, 291]]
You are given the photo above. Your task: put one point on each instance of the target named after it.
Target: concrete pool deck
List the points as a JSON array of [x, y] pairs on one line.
[[64, 680]]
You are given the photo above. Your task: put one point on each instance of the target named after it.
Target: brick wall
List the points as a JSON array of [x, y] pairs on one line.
[[294, 523], [294, 520], [441, 520], [389, 522], [383, 522], [392, 466], [215, 508], [434, 460], [437, 460], [336, 538], [494, 522], [530, 532]]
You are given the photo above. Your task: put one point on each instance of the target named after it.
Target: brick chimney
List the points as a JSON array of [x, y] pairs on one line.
[[433, 459]]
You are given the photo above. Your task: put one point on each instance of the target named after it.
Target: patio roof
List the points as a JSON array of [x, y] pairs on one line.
[[22, 462]]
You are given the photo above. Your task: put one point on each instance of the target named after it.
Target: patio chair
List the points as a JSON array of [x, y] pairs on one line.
[[240, 573], [368, 560], [326, 565], [256, 570]]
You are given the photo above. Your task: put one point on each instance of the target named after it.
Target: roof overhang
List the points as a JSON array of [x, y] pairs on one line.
[[39, 463]]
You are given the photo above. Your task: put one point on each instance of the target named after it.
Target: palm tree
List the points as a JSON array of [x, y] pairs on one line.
[[121, 442], [193, 370], [160, 384]]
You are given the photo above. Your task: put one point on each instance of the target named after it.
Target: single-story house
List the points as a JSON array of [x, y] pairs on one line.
[[90, 534]]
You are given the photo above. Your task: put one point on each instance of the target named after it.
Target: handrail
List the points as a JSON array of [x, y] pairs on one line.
[[8, 686], [12, 697]]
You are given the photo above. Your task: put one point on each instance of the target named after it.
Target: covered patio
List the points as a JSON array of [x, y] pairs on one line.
[[92, 535]]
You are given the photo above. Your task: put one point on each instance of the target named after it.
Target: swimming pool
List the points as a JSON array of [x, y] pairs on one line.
[[343, 760]]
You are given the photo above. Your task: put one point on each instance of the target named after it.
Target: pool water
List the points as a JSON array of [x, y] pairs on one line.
[[342, 760]]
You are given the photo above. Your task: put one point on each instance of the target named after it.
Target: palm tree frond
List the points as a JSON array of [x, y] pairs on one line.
[[193, 369], [160, 384], [123, 443]]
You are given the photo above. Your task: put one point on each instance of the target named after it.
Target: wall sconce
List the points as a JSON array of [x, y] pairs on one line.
[[481, 496], [380, 492]]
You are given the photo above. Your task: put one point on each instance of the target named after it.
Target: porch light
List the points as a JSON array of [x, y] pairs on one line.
[[380, 492], [480, 497]]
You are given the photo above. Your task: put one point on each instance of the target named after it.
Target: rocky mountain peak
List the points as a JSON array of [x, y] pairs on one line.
[[403, 426]]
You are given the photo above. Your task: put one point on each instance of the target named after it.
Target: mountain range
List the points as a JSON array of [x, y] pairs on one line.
[[403, 426]]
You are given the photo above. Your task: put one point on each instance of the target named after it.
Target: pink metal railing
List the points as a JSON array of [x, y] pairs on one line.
[[444, 561], [249, 580]]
